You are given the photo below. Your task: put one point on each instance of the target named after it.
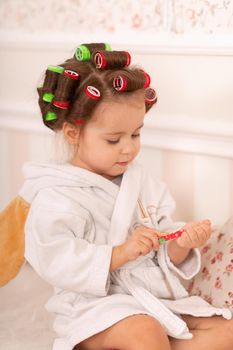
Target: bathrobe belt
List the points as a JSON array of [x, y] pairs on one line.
[[173, 324]]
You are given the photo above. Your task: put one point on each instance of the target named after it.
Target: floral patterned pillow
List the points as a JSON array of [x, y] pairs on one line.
[[214, 282]]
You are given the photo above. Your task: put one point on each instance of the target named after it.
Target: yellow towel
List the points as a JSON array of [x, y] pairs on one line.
[[12, 220]]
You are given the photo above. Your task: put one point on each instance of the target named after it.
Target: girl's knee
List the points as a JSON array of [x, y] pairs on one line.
[[137, 332], [230, 324], [225, 333], [229, 329], [145, 323], [145, 332]]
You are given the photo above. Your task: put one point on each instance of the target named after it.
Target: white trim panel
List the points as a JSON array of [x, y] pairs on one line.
[[164, 43], [209, 138], [211, 193]]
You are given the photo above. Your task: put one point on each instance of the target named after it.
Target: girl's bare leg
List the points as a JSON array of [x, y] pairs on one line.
[[137, 332], [213, 333]]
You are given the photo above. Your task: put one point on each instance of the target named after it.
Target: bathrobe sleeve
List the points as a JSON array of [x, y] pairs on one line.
[[189, 267], [56, 248], [192, 264]]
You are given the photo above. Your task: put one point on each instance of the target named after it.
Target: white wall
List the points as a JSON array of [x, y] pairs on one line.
[[188, 137]]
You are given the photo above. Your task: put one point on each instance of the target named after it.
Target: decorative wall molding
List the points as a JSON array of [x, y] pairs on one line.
[[178, 133], [137, 43]]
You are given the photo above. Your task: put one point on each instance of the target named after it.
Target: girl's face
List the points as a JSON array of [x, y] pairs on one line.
[[111, 139]]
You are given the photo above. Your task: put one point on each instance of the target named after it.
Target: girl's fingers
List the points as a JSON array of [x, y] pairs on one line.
[[203, 228], [200, 231], [203, 232], [148, 242], [152, 236], [206, 222], [185, 240], [208, 230], [197, 233], [152, 230], [144, 248]]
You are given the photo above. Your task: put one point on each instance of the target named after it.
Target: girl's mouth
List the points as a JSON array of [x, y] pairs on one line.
[[122, 163]]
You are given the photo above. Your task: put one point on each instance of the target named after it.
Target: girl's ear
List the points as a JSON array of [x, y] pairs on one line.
[[71, 133]]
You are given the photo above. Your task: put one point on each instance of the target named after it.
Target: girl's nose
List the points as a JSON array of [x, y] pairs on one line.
[[128, 148]]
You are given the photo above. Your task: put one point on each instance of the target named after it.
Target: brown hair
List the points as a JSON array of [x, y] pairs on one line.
[[63, 96]]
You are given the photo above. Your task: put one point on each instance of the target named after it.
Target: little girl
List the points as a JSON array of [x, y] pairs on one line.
[[95, 223]]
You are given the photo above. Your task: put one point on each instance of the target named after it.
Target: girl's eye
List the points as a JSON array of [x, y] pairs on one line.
[[113, 142]]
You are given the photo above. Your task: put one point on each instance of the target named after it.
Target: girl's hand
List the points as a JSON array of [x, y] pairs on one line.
[[141, 241], [195, 234]]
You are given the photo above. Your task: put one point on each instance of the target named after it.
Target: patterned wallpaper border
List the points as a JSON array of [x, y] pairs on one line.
[[111, 16]]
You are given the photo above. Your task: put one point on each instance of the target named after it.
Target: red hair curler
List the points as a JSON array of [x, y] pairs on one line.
[[100, 60], [79, 121], [120, 83], [92, 92], [61, 104], [128, 59], [150, 95], [71, 74]]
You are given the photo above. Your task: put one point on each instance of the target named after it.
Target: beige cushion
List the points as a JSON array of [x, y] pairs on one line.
[[12, 220]]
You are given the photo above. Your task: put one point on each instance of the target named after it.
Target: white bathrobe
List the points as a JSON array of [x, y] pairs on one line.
[[76, 218]]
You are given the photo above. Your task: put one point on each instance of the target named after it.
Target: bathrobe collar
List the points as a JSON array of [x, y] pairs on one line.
[[43, 175]]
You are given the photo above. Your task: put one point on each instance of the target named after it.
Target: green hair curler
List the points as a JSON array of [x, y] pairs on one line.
[[56, 69], [50, 116], [82, 53], [48, 97]]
